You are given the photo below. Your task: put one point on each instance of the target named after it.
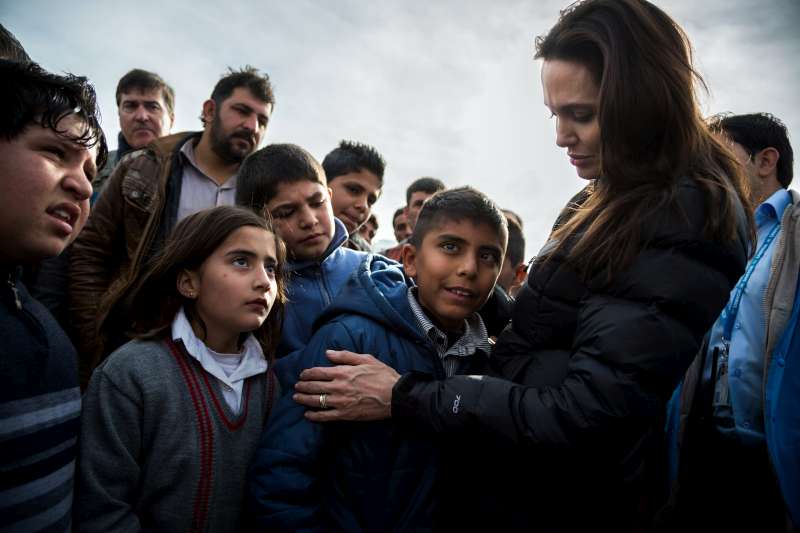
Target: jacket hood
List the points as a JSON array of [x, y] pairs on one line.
[[378, 290], [339, 237]]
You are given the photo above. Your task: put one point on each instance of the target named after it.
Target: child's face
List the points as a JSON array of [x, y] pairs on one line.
[[368, 230], [353, 195], [402, 229], [508, 273], [303, 218], [235, 287], [415, 203], [455, 268], [45, 185]]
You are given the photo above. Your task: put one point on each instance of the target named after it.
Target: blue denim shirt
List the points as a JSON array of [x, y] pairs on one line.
[[744, 415]]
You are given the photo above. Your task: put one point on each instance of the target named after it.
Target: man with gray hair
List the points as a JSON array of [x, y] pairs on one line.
[[146, 109]]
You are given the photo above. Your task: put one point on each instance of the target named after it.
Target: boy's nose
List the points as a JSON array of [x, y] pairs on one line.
[[468, 266], [308, 218], [77, 183]]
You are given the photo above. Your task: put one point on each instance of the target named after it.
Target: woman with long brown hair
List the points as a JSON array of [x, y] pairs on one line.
[[637, 268]]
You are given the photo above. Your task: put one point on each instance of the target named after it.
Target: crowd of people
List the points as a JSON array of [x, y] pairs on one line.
[[200, 336]]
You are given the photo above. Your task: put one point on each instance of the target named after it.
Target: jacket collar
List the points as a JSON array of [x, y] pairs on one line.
[[772, 208], [252, 364], [122, 146], [165, 146]]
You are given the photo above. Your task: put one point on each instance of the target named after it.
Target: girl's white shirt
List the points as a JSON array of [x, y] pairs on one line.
[[251, 360]]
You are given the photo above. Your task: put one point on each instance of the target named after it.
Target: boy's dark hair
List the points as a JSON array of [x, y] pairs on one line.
[[155, 300], [400, 211], [31, 95], [10, 47], [146, 81], [756, 131], [462, 203], [249, 77], [513, 215], [352, 156], [266, 169], [515, 251], [427, 184]]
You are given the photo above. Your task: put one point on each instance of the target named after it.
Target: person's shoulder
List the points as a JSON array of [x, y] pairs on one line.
[[136, 359], [344, 253], [344, 259]]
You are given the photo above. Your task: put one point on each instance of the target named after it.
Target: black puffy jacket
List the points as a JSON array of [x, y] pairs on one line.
[[582, 377]]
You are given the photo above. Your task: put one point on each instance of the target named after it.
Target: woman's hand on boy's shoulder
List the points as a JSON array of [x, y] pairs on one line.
[[357, 387]]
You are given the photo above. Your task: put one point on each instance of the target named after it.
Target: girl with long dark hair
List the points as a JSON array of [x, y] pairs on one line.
[[171, 419]]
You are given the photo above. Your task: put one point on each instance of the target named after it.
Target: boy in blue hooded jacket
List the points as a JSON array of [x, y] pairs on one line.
[[375, 476], [285, 182]]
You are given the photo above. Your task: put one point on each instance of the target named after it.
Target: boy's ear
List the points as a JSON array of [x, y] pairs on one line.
[[188, 284], [209, 107], [520, 273], [408, 256]]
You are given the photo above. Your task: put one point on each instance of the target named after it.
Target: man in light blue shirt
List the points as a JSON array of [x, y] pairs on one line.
[[726, 477]]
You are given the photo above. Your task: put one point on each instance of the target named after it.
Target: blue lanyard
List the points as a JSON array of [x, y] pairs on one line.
[[732, 309]]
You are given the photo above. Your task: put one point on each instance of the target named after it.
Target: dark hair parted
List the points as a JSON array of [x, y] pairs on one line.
[[756, 131], [352, 156], [651, 130], [425, 184], [144, 80], [31, 95], [265, 170], [10, 47], [249, 77], [462, 203], [515, 251], [397, 213], [156, 300]]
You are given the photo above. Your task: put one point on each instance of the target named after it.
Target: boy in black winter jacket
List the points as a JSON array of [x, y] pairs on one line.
[[51, 145], [375, 476]]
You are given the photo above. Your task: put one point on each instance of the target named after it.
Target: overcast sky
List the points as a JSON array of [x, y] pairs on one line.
[[447, 89]]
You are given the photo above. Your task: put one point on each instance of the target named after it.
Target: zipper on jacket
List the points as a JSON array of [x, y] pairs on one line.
[[13, 286]]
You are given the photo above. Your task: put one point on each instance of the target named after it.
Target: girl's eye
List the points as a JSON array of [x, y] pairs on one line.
[[582, 117], [318, 204], [282, 213], [240, 261], [271, 269], [449, 247]]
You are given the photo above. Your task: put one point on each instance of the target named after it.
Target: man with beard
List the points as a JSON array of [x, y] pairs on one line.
[[147, 194]]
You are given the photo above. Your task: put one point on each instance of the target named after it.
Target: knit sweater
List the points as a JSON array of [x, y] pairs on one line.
[[160, 449], [39, 407]]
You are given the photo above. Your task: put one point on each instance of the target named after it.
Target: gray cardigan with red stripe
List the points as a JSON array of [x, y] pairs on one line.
[[160, 448]]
